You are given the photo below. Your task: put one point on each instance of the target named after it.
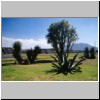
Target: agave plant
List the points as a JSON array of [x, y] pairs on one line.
[[68, 66]]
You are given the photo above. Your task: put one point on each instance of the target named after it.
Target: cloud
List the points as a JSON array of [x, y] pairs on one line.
[[26, 43]]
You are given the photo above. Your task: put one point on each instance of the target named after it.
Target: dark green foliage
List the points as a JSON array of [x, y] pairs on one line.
[[92, 53], [36, 51], [61, 35], [32, 54], [17, 51], [96, 51], [69, 66], [86, 52]]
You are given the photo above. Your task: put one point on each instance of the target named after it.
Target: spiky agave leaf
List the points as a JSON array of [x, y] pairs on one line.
[[72, 67], [54, 58], [55, 66], [73, 60], [57, 57], [76, 67], [79, 62]]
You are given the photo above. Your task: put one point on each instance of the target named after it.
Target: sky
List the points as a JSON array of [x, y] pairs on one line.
[[33, 31]]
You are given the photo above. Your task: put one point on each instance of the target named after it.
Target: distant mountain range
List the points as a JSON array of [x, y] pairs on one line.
[[81, 46]]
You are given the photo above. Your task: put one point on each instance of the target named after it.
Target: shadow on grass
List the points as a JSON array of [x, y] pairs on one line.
[[43, 61], [51, 71], [56, 72], [7, 64], [7, 60], [36, 62]]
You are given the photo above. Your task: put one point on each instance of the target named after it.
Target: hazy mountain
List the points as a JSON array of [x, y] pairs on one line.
[[81, 46]]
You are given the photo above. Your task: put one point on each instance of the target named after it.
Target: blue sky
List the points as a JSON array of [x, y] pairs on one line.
[[32, 31]]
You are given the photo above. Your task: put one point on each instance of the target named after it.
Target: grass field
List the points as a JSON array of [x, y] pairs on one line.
[[40, 70]]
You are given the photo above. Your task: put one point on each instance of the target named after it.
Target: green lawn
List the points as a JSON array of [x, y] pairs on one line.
[[40, 70]]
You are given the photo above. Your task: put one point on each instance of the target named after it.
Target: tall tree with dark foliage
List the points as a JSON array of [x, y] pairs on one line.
[[61, 35]]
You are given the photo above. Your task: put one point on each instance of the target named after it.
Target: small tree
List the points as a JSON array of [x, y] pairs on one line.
[[86, 52], [17, 51], [92, 53], [32, 54], [29, 55], [61, 36], [36, 51]]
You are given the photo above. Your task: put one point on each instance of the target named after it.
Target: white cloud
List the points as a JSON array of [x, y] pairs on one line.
[[26, 43]]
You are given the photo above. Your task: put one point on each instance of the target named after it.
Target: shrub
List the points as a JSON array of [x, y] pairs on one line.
[[92, 53], [86, 52], [17, 51], [32, 54]]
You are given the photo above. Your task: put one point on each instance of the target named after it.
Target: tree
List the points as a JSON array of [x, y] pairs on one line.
[[86, 52], [29, 54], [32, 54], [92, 53], [61, 36], [17, 51], [36, 51]]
